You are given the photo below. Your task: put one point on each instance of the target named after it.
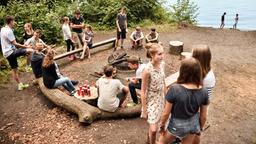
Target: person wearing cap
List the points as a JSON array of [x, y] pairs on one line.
[[77, 25], [152, 37], [121, 23], [137, 37]]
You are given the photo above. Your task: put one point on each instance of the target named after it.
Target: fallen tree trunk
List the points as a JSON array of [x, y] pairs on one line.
[[86, 113]]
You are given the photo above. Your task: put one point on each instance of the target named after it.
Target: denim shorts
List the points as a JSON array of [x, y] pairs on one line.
[[182, 127]]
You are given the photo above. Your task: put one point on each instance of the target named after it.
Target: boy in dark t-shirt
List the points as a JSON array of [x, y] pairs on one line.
[[222, 20], [121, 23], [77, 24]]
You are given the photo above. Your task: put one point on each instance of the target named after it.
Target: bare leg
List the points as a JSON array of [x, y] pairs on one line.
[[152, 133], [88, 52], [188, 139], [117, 42], [15, 75], [166, 138], [122, 43], [84, 50], [196, 139]]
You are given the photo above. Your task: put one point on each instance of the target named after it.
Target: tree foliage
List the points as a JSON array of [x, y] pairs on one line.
[[184, 10], [104, 12], [46, 14]]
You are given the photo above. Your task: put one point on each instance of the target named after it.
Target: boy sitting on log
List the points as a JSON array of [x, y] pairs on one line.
[[135, 82], [112, 92]]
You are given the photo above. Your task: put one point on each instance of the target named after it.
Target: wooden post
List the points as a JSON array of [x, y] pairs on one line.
[[176, 47]]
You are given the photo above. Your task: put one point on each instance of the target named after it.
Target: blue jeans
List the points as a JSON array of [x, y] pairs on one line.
[[132, 89], [66, 83]]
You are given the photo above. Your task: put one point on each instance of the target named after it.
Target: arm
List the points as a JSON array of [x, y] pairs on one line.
[[147, 37], [76, 26], [20, 45], [165, 115], [45, 45], [144, 85], [131, 37], [155, 38], [141, 37], [203, 115]]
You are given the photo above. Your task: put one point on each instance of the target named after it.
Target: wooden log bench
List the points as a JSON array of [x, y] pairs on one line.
[[86, 112], [95, 45]]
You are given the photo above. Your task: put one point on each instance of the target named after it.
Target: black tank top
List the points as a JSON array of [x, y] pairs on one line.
[[27, 36]]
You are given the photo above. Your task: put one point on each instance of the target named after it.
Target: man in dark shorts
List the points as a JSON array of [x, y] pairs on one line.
[[10, 52], [77, 24], [121, 23], [222, 20]]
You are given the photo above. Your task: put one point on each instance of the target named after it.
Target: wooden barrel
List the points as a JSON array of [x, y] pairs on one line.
[[176, 47]]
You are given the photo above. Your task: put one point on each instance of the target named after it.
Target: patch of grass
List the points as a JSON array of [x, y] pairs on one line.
[[4, 70]]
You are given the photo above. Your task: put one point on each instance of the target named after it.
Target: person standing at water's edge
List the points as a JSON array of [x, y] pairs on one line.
[[222, 20], [121, 23], [236, 21]]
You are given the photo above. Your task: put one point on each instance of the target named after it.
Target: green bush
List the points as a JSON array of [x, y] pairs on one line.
[[184, 11], [46, 14], [43, 14], [104, 12]]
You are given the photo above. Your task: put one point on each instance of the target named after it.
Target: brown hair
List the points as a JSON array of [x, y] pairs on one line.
[[48, 59], [77, 11], [89, 27], [108, 70], [203, 54], [38, 31], [29, 25], [190, 72], [9, 19], [123, 9], [133, 60], [152, 49], [65, 19]]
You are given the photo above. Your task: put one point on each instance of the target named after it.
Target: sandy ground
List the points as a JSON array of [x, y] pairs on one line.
[[28, 117]]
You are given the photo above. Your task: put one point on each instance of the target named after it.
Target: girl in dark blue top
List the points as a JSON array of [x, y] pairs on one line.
[[184, 100]]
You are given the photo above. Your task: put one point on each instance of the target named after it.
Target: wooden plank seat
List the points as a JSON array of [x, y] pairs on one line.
[[86, 112], [95, 45]]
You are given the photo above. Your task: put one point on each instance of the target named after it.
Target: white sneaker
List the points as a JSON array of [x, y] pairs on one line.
[[22, 86]]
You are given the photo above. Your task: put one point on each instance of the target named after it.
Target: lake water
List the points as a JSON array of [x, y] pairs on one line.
[[210, 12]]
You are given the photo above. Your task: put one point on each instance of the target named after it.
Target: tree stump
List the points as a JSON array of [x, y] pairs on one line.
[[176, 47], [86, 112]]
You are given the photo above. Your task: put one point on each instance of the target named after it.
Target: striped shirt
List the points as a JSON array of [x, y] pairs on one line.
[[209, 82]]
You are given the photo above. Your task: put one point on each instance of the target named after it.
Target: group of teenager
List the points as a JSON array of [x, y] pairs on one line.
[[136, 36], [177, 111]]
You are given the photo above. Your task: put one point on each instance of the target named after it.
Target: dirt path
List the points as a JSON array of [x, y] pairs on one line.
[[28, 117]]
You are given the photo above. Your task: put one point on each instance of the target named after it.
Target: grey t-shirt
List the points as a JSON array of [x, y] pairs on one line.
[[108, 90], [121, 18], [186, 102]]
